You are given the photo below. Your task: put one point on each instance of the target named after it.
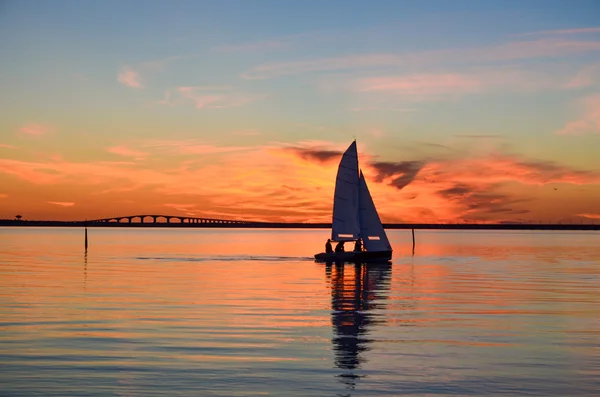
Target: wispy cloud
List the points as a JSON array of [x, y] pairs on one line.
[[160, 64], [203, 97], [589, 120], [129, 77], [257, 46], [248, 132], [62, 203], [387, 92], [563, 32], [7, 146], [588, 76], [516, 50], [420, 87], [190, 146], [590, 216], [382, 109], [3, 195], [478, 136], [186, 209], [35, 129], [127, 152]]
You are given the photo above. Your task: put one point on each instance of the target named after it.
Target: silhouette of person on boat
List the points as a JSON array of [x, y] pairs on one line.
[[339, 247], [358, 246], [328, 247]]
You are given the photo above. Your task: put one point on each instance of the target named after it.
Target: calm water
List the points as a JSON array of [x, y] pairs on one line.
[[248, 312]]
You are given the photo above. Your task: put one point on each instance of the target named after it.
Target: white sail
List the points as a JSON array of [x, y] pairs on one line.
[[345, 224], [371, 229]]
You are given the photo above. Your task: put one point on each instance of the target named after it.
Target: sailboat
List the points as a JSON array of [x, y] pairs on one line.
[[355, 216]]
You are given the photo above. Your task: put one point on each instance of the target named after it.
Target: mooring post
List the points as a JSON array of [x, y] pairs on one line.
[[413, 236], [86, 238]]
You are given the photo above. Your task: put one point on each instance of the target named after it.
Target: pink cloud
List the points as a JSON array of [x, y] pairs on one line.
[[61, 203], [565, 31], [590, 216], [6, 146], [589, 120], [383, 93], [586, 77], [35, 129], [59, 171], [129, 77], [124, 151], [211, 97], [425, 85], [516, 50]]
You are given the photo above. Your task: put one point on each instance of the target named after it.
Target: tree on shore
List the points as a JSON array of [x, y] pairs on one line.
[[18, 217]]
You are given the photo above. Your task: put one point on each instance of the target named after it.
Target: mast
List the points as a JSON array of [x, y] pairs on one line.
[[345, 219]]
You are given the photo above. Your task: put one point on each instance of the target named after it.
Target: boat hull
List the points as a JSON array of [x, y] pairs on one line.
[[351, 256]]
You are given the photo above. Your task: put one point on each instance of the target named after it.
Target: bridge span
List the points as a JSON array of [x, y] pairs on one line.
[[154, 218]]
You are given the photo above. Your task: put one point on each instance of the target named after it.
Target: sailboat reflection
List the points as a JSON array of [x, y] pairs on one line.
[[357, 291]]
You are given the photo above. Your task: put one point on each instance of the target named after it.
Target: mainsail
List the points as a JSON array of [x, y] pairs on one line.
[[371, 229], [345, 223]]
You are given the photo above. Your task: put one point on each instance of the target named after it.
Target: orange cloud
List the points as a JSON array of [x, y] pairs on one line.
[[589, 121], [35, 129], [124, 151], [62, 203], [6, 146], [3, 195], [129, 77], [190, 146], [590, 216], [280, 182], [248, 132]]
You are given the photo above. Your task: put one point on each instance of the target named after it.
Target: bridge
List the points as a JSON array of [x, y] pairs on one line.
[[154, 218], [158, 220]]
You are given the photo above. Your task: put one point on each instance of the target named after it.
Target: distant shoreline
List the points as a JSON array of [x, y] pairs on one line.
[[274, 225]]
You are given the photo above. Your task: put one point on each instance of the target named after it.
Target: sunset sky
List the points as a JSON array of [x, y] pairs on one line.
[[462, 110]]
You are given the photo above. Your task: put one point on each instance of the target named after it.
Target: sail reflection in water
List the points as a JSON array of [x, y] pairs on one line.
[[358, 293]]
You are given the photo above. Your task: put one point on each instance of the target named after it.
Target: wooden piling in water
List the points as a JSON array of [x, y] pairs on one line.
[[86, 239], [413, 237]]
